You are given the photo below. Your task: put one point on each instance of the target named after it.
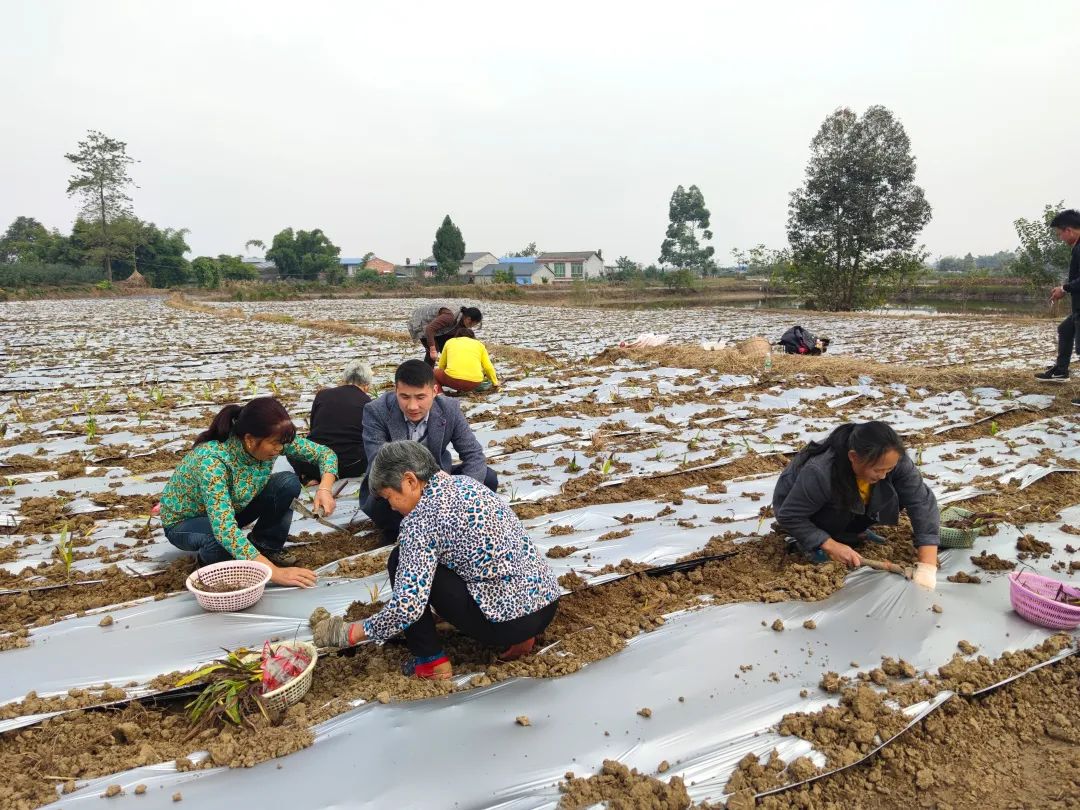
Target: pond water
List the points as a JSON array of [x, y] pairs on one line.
[[918, 306]]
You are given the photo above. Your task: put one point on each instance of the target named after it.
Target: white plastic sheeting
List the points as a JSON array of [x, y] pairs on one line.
[[486, 761]]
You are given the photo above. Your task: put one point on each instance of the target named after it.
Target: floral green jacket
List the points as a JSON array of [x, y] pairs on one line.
[[218, 479]]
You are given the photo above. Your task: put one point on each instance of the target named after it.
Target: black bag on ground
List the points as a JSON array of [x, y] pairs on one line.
[[797, 340]]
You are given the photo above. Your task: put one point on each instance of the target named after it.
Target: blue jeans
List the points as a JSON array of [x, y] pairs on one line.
[[271, 510]]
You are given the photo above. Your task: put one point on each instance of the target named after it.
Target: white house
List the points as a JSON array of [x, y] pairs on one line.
[[470, 264], [522, 272], [573, 265]]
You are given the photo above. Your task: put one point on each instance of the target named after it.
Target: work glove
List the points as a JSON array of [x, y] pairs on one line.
[[332, 632], [925, 575]]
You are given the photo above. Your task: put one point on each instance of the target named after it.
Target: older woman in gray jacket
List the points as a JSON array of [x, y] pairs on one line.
[[834, 491]]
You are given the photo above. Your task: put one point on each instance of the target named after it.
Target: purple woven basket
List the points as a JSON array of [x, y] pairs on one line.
[[1035, 598]]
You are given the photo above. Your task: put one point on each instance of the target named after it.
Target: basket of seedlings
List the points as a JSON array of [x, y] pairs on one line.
[[229, 585], [1045, 601], [245, 685], [960, 527]]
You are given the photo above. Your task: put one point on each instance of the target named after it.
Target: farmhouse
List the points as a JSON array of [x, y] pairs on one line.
[[573, 265]]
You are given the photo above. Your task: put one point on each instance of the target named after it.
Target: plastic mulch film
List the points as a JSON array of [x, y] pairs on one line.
[[724, 713]]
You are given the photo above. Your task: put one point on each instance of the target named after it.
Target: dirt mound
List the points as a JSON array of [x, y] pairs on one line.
[[1016, 747], [992, 562], [622, 788]]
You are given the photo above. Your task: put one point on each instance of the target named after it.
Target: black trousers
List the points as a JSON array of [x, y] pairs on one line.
[[389, 521], [440, 341], [1068, 341], [451, 599]]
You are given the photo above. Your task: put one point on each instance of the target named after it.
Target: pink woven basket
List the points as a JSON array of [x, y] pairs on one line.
[[247, 578], [1036, 599]]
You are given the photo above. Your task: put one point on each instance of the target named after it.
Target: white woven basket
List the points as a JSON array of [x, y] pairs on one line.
[[247, 576], [293, 692]]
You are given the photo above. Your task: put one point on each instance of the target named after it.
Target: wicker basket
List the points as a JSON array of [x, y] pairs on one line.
[[247, 576], [1035, 598], [950, 537], [293, 692]]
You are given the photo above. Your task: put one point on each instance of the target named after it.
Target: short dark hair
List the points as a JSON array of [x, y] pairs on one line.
[[464, 331], [1069, 218], [415, 373], [473, 313]]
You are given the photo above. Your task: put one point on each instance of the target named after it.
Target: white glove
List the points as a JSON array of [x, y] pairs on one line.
[[925, 576]]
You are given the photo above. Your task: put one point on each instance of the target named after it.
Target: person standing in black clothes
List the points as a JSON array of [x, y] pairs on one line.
[[1067, 225], [337, 422]]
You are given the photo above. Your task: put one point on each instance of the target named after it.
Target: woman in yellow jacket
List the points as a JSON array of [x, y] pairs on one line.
[[464, 364]]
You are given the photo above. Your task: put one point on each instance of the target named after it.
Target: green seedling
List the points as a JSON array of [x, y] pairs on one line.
[[693, 443], [573, 466], [993, 428], [274, 387], [232, 693], [918, 457], [91, 427], [65, 549], [3, 429], [252, 387], [659, 455], [157, 395], [609, 464]]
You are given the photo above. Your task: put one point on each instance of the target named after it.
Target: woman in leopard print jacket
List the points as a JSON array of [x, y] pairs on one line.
[[462, 553]]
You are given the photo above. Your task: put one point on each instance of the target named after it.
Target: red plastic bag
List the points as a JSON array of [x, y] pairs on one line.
[[281, 665]]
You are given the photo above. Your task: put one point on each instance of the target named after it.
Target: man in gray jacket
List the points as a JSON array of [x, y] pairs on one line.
[[413, 412]]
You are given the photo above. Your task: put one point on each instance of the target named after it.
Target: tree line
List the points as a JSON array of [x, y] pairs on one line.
[[854, 224], [852, 231]]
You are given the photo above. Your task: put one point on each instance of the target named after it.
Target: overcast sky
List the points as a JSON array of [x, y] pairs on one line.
[[564, 123]]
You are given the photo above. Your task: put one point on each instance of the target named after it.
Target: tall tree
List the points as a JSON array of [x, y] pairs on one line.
[[250, 243], [853, 225], [100, 179], [682, 248], [529, 250], [157, 253], [448, 249], [1042, 259], [304, 254]]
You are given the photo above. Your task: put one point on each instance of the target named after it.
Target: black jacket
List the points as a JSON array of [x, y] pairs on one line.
[[337, 421], [1072, 286], [804, 507]]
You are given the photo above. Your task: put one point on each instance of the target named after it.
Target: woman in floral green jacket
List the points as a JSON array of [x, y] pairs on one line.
[[227, 481]]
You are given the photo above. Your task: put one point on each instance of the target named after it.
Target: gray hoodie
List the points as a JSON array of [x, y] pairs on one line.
[[804, 508]]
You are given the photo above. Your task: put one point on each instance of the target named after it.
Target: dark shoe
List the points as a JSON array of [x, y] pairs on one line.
[[1052, 374], [873, 537], [282, 559], [519, 650]]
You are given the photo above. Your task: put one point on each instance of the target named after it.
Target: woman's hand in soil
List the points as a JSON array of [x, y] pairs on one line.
[[298, 577], [324, 500], [842, 553]]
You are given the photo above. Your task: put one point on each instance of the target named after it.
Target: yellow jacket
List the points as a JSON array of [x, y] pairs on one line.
[[465, 358]]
